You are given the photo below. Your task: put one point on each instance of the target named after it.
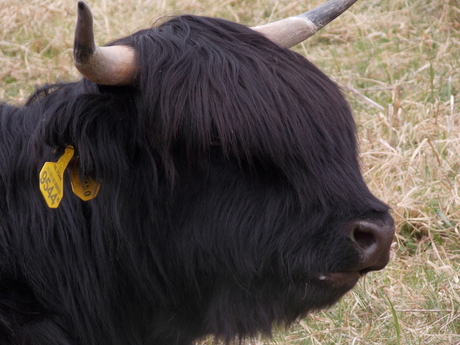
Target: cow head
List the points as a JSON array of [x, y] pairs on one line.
[[230, 164]]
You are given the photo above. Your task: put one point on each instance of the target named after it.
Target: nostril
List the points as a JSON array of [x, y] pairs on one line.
[[372, 240], [363, 239]]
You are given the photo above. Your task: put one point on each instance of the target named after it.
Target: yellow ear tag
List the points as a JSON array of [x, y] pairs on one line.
[[51, 178], [85, 189]]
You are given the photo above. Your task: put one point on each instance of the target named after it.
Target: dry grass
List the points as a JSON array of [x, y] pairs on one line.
[[398, 61]]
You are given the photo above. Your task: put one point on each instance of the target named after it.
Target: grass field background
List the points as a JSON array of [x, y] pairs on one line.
[[398, 62]]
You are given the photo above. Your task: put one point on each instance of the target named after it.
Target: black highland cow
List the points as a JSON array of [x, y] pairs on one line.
[[230, 193]]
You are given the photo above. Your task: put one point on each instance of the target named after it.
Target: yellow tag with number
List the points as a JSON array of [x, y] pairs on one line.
[[51, 178], [85, 189]]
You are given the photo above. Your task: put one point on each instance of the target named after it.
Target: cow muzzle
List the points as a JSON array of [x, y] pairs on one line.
[[372, 240]]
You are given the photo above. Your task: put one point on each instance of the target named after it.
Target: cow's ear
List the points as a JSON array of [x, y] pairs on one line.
[[100, 126]]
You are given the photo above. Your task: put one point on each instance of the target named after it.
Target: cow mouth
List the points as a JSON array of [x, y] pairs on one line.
[[343, 280], [339, 279]]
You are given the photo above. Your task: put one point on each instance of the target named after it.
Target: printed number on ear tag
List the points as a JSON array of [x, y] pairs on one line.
[[85, 189], [51, 178]]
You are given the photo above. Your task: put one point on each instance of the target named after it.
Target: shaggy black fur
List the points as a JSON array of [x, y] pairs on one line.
[[229, 177]]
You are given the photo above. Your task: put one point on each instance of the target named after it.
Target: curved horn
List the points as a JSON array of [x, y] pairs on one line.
[[291, 31], [113, 65]]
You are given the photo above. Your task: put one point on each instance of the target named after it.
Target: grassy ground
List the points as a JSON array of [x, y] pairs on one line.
[[398, 63]]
